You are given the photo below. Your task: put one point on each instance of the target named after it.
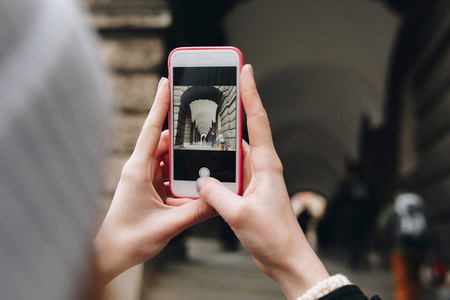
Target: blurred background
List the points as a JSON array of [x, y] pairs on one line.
[[358, 96]]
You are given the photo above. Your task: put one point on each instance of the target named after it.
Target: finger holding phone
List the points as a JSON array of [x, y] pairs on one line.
[[262, 218], [142, 219]]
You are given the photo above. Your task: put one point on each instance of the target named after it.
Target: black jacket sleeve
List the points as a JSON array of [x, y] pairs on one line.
[[348, 292]]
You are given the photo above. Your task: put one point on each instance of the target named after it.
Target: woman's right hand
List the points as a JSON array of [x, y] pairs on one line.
[[263, 218]]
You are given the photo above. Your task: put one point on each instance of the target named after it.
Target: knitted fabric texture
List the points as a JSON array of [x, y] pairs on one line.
[[324, 287]]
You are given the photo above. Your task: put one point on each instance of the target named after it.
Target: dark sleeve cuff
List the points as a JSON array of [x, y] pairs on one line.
[[348, 292]]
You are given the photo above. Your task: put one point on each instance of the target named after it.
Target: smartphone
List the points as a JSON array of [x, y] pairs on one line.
[[205, 118]]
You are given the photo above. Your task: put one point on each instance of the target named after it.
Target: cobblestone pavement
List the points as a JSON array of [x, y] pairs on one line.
[[212, 274]]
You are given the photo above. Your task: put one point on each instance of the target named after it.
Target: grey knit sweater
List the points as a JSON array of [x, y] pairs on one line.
[[53, 112]]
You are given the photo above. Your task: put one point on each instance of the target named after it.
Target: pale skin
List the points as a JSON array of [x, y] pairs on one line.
[[142, 218]]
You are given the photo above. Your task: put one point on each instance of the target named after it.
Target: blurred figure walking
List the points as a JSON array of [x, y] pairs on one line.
[[406, 225], [213, 138], [309, 208], [358, 204]]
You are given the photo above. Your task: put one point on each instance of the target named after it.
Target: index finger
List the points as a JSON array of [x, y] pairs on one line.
[[147, 143], [257, 122]]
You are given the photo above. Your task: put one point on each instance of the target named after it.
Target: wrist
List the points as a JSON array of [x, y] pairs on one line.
[[300, 274], [325, 287], [110, 259], [104, 268]]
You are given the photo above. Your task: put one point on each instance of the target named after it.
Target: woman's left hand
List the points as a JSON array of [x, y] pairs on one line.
[[142, 219]]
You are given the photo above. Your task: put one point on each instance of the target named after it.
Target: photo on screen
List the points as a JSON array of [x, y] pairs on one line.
[[204, 126], [204, 118]]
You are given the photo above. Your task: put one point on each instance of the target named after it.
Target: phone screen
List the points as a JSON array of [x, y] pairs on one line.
[[204, 123]]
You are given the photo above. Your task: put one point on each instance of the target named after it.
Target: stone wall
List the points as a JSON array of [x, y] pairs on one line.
[[227, 115], [179, 119], [132, 44]]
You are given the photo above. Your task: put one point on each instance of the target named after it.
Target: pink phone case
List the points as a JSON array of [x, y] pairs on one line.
[[239, 179]]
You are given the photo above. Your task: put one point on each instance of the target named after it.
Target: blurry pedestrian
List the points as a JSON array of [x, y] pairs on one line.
[[222, 142], [358, 204], [309, 209], [406, 225], [213, 138]]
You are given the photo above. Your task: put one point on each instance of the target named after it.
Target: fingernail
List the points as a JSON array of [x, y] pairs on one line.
[[251, 68], [199, 183], [161, 81]]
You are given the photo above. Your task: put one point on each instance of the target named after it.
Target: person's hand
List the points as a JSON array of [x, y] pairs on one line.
[[142, 219], [263, 218]]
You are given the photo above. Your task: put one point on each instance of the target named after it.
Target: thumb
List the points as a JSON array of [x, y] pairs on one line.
[[213, 192]]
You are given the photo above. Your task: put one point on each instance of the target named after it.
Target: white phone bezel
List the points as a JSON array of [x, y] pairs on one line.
[[203, 58]]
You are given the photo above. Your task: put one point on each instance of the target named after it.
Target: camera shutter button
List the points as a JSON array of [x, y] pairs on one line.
[[204, 172]]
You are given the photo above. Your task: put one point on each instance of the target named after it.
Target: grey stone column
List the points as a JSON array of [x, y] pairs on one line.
[[227, 114]]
